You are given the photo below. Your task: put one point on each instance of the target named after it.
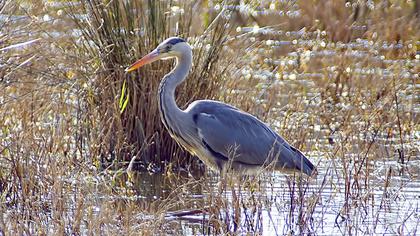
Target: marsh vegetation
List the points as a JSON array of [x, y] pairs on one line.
[[338, 79]]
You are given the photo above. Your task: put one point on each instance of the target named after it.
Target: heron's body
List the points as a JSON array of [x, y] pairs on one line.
[[221, 135]]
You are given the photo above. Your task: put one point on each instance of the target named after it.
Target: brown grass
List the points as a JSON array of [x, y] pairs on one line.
[[336, 92], [117, 33]]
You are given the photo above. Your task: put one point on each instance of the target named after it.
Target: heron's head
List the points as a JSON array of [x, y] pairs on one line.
[[171, 47]]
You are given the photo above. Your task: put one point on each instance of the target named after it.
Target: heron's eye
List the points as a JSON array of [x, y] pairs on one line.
[[168, 48]]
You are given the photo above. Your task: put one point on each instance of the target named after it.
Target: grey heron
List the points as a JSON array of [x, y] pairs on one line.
[[222, 136]]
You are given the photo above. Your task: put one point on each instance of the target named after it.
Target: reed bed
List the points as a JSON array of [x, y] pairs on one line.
[[116, 33], [339, 79]]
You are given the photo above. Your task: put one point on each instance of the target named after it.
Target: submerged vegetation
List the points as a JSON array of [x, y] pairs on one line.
[[338, 79]]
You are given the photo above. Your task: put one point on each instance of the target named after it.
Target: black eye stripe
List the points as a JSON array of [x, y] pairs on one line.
[[176, 40]]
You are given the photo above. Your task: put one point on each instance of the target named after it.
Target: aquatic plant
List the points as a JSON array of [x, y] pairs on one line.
[[116, 33]]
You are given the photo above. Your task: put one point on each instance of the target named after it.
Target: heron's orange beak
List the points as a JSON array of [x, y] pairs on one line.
[[149, 58]]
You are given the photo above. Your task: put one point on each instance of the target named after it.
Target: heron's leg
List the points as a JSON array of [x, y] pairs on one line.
[[221, 184]]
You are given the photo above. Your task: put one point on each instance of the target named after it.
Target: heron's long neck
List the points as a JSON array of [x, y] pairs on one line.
[[172, 116]]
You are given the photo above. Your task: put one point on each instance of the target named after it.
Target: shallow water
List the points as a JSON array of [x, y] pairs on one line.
[[386, 206]]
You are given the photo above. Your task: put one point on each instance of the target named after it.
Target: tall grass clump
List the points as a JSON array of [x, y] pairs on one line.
[[116, 33]]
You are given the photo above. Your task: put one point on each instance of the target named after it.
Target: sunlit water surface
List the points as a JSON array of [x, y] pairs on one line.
[[386, 207]]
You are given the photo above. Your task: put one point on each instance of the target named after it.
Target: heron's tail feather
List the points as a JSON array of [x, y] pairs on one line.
[[303, 163]]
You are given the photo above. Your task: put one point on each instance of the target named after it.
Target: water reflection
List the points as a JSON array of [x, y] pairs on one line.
[[159, 186], [278, 204]]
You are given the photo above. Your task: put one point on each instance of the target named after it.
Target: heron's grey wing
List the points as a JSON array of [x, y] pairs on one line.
[[229, 131]]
